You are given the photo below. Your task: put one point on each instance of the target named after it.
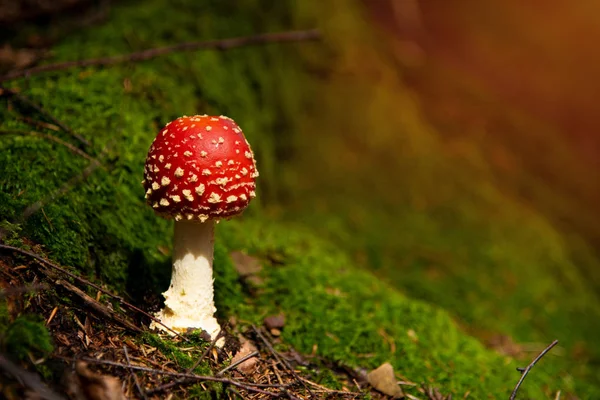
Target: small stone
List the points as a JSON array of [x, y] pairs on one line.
[[275, 322], [383, 380], [275, 332], [245, 265]]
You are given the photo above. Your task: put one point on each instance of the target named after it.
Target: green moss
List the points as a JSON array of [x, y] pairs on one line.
[[4, 316], [11, 233], [428, 214], [173, 351], [230, 295], [349, 316], [185, 354], [25, 338], [209, 390]]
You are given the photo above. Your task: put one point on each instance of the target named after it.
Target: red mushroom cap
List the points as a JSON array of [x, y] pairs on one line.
[[200, 167]]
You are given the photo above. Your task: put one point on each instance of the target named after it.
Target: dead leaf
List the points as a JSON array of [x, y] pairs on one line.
[[246, 348], [383, 380], [87, 385]]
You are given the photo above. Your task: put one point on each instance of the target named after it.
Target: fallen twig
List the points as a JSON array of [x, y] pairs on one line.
[[325, 389], [182, 381], [65, 188], [29, 103], [88, 283], [433, 393], [52, 138], [135, 379], [96, 306], [37, 124], [238, 362], [249, 386], [222, 44], [281, 360], [525, 371]]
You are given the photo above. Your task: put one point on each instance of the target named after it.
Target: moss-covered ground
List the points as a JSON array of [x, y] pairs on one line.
[[389, 246]]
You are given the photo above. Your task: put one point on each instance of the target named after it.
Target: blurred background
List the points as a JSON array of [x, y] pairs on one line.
[[451, 148], [454, 148]]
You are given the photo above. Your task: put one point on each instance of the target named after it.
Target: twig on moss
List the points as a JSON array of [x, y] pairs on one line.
[[325, 389], [50, 137], [37, 124], [26, 101], [237, 362], [525, 371], [69, 185], [211, 346], [281, 360], [90, 284], [249, 386], [65, 188], [223, 44], [433, 393], [183, 381]]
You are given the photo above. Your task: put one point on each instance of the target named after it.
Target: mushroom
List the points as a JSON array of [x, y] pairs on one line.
[[199, 169]]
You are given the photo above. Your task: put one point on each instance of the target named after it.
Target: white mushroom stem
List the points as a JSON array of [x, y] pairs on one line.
[[189, 300]]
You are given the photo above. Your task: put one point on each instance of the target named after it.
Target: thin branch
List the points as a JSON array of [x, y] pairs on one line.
[[88, 283], [224, 44], [251, 387], [326, 389], [49, 137], [135, 379], [96, 306], [282, 360], [237, 362], [276, 372], [37, 124], [211, 346], [525, 371], [65, 188], [29, 103], [182, 381]]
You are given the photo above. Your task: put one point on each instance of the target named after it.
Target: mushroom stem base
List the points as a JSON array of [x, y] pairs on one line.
[[189, 300]]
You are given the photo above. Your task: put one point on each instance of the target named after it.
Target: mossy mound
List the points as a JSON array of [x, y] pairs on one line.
[[337, 311]]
